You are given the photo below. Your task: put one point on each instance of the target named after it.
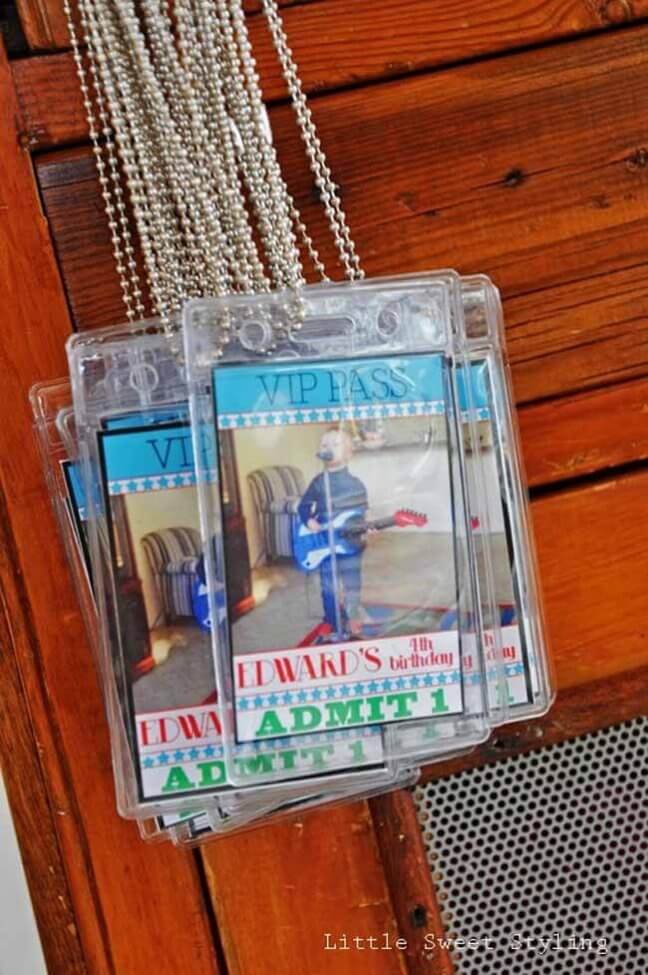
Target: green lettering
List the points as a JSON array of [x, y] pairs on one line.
[[439, 705], [344, 713], [287, 758], [211, 773], [357, 751], [318, 754], [270, 726], [400, 700], [177, 780], [375, 705], [305, 718], [256, 764]]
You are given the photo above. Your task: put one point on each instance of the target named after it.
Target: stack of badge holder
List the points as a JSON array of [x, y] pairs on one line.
[[298, 529]]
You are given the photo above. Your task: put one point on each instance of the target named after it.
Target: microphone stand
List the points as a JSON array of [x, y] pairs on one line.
[[331, 540]]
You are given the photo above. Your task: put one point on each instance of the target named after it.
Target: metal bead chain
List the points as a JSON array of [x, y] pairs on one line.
[[111, 190], [319, 166], [281, 198], [217, 159], [187, 188], [147, 194], [264, 186], [179, 100], [199, 40]]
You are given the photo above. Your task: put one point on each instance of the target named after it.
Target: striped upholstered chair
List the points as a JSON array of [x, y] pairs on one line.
[[173, 555], [276, 492]]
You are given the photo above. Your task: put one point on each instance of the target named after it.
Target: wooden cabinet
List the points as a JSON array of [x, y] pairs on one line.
[[532, 167]]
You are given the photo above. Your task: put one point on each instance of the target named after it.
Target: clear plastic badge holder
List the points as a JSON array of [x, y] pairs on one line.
[[56, 435], [528, 674], [331, 415], [54, 423], [483, 671], [138, 370]]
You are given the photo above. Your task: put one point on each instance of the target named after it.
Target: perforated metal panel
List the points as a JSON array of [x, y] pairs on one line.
[[548, 846]]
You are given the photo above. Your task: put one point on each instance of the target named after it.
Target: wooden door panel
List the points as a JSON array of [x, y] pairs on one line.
[[117, 883], [318, 873], [338, 43], [577, 435], [531, 167], [577, 711], [526, 152]]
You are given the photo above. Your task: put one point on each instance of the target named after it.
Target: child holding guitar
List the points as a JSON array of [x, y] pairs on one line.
[[332, 516], [335, 491]]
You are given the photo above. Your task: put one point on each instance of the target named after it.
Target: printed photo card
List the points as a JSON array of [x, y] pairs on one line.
[[337, 497], [163, 620]]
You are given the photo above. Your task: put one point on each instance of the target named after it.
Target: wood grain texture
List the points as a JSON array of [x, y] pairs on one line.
[[574, 436], [117, 883], [531, 168], [593, 551], [32, 814], [334, 41], [43, 24], [592, 543], [45, 27], [338, 43], [410, 882], [279, 889]]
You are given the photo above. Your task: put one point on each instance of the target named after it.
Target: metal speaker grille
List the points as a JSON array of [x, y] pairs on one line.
[[551, 847]]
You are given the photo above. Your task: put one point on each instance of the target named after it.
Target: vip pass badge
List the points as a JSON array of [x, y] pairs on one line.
[[351, 629], [150, 480]]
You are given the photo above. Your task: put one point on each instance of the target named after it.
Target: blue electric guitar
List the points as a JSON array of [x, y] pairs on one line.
[[200, 599], [310, 548]]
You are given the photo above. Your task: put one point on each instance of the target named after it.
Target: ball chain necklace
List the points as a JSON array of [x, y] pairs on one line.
[[175, 111]]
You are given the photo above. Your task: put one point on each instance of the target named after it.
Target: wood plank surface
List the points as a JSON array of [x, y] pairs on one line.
[[533, 168], [593, 552], [592, 544], [118, 885], [574, 436], [279, 890], [45, 26], [28, 792], [417, 909], [338, 43]]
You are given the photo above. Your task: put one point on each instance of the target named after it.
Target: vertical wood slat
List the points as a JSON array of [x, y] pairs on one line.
[[33, 816], [417, 910], [279, 890], [43, 24], [136, 885], [118, 885]]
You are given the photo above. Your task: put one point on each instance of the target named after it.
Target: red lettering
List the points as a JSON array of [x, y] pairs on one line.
[[189, 726], [372, 657], [309, 667], [166, 738], [212, 719], [285, 670], [144, 732]]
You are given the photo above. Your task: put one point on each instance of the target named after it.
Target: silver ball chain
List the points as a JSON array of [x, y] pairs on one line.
[[111, 189], [176, 98], [316, 157]]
